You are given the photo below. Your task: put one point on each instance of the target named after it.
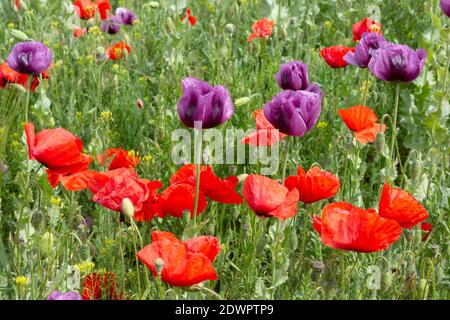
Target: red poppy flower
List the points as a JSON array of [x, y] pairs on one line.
[[186, 263], [111, 187], [78, 32], [100, 287], [192, 20], [334, 56], [399, 205], [8, 75], [73, 182], [180, 197], [314, 185], [261, 29], [16, 5], [118, 158], [346, 227], [58, 149], [86, 8], [363, 122], [212, 186], [366, 25], [116, 51], [427, 227], [268, 198], [265, 135]]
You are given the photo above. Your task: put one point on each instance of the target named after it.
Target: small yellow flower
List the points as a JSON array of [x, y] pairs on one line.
[[21, 281], [109, 242], [55, 201], [78, 114], [85, 266], [11, 26], [15, 144], [328, 24], [95, 31], [106, 115], [54, 24], [322, 125], [148, 158]]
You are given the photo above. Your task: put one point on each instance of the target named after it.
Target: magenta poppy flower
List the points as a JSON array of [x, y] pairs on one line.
[[126, 16], [370, 42], [445, 6], [395, 62], [30, 57], [58, 295], [202, 103], [294, 112]]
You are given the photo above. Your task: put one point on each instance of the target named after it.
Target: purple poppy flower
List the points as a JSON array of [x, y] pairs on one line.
[[445, 6], [58, 295], [126, 16], [370, 42], [294, 112], [30, 57], [293, 76], [112, 25], [210, 106], [395, 62]]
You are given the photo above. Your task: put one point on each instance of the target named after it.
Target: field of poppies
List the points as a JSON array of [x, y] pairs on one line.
[[239, 149]]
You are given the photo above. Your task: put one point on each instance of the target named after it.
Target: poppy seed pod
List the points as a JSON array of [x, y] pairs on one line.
[[154, 4], [203, 105], [159, 265], [230, 29]]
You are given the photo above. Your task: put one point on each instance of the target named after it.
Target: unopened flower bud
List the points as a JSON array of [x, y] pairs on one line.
[[386, 280], [416, 169], [213, 30], [260, 245], [159, 265], [229, 29], [186, 216], [128, 207], [170, 25], [423, 289], [154, 4], [140, 103], [46, 244], [232, 170], [242, 101], [284, 34], [293, 241], [242, 178], [380, 142]]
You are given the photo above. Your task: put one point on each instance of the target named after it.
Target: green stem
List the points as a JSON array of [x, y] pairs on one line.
[[366, 87], [198, 162], [394, 124], [285, 155]]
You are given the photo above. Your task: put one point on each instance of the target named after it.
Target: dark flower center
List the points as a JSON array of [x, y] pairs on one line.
[[24, 59], [398, 62]]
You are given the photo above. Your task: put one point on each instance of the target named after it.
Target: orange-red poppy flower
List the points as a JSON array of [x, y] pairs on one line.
[[266, 134], [366, 25], [118, 158], [191, 19], [9, 76], [100, 286], [346, 227], [363, 122], [427, 228], [334, 56], [268, 198], [86, 9], [111, 187], [314, 185], [399, 205], [57, 149], [79, 32], [73, 182], [212, 186], [116, 51], [186, 263], [261, 29]]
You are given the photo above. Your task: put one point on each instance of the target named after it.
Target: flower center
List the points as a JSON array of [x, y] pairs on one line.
[[24, 59], [399, 62]]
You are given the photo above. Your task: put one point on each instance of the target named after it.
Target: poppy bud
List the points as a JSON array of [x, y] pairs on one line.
[[232, 170], [284, 34], [260, 245], [236, 213], [213, 30], [242, 178], [154, 4], [433, 169], [85, 252], [293, 241], [380, 142], [139, 103], [386, 280], [159, 264], [128, 208], [170, 25], [211, 228], [100, 51], [422, 289], [242, 101], [416, 169], [46, 244], [186, 216], [229, 29]]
